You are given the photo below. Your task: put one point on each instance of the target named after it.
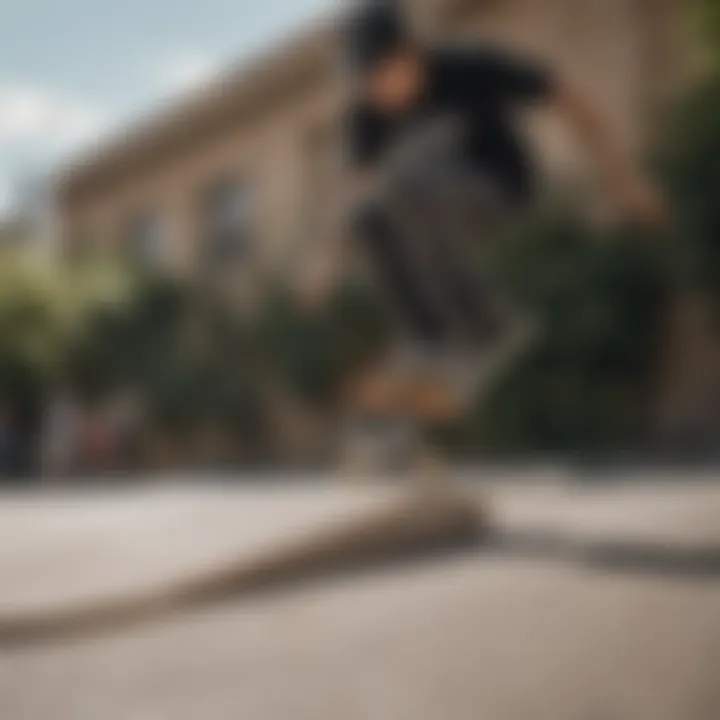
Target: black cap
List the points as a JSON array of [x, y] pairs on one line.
[[374, 30]]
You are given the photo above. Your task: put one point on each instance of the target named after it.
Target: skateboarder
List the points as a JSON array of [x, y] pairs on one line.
[[435, 164]]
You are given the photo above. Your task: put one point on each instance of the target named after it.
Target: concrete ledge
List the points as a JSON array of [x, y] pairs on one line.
[[412, 525]]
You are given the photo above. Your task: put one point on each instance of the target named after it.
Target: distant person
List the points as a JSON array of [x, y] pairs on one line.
[[125, 417], [99, 441], [60, 435], [436, 162]]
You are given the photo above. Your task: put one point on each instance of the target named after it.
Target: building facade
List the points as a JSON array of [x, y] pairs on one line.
[[240, 174], [239, 177]]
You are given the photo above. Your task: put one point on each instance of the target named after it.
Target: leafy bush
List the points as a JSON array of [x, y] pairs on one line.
[[691, 165], [584, 385], [313, 353], [184, 353]]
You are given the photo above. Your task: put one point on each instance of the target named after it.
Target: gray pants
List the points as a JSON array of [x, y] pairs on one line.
[[421, 229]]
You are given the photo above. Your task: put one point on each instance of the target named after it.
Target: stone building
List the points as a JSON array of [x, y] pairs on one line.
[[236, 177], [238, 173]]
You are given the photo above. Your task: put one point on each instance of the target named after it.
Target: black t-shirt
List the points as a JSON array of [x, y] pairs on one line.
[[480, 87]]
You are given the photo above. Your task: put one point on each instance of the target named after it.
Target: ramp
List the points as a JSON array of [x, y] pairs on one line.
[[77, 565]]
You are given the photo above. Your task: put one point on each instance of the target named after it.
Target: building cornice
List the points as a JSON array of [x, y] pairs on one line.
[[242, 92], [237, 95]]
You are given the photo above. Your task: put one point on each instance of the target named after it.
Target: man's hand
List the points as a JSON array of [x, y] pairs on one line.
[[637, 199]]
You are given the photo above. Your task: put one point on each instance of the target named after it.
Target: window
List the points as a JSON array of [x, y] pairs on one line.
[[144, 237], [226, 213]]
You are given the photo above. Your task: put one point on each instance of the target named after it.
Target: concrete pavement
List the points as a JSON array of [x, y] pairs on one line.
[[514, 631]]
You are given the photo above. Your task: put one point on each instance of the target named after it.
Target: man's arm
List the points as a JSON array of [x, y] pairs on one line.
[[517, 79], [635, 195]]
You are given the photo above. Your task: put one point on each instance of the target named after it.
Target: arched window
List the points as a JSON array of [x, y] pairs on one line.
[[226, 221]]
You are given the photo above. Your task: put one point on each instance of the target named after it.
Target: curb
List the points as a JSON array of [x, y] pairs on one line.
[[413, 526]]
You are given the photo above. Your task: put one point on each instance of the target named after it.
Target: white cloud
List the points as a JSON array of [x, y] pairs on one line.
[[41, 127], [42, 121], [38, 128], [7, 199], [185, 70]]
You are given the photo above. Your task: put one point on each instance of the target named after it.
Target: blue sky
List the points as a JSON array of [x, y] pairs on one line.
[[70, 71]]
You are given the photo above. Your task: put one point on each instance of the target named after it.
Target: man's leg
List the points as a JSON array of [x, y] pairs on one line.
[[448, 211], [419, 237], [377, 434], [390, 252], [453, 210]]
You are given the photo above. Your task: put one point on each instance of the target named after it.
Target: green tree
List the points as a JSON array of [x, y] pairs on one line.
[[706, 17], [312, 354], [583, 388], [691, 165]]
